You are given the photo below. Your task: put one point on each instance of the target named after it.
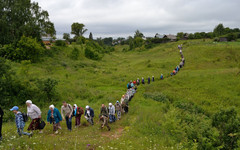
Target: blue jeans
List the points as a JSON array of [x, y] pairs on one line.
[[20, 132], [112, 118], [69, 122]]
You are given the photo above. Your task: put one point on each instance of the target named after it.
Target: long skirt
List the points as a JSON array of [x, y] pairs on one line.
[[34, 125]]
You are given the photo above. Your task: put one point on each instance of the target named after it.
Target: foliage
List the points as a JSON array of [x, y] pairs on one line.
[[90, 36], [227, 122], [78, 29], [60, 43], [66, 36], [91, 54], [47, 89], [75, 53], [219, 30], [26, 49], [81, 40], [108, 41], [157, 97], [23, 17], [138, 34]]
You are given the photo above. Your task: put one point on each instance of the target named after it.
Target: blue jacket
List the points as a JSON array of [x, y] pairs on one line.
[[91, 112], [19, 120], [56, 114]]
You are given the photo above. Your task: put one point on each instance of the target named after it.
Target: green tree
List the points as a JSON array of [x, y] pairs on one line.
[[219, 30], [90, 36], [66, 36], [23, 17], [180, 35], [26, 49], [138, 34], [78, 29]]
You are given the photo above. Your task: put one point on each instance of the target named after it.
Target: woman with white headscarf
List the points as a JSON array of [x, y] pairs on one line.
[[54, 117], [35, 114]]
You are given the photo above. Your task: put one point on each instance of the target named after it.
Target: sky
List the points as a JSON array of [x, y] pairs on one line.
[[121, 18]]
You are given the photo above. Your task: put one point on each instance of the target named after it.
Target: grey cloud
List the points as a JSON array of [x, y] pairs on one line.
[[122, 17]]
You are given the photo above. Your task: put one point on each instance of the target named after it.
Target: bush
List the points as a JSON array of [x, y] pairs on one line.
[[227, 122], [26, 48], [81, 40], [75, 53], [60, 43], [89, 53]]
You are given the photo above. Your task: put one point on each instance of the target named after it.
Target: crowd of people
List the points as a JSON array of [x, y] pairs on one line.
[[108, 114]]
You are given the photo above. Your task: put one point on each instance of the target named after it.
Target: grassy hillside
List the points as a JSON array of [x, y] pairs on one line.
[[175, 113]]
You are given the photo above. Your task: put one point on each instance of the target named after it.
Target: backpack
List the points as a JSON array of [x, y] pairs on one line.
[[81, 110], [25, 117]]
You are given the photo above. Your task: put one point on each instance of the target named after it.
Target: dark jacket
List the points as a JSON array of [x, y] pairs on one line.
[[91, 112], [104, 112], [56, 114]]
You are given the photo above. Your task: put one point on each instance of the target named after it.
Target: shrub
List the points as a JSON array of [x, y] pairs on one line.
[[75, 53], [81, 40], [26, 48], [89, 53], [60, 43], [227, 122]]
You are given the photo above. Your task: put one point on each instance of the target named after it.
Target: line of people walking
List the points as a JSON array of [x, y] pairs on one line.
[[108, 114]]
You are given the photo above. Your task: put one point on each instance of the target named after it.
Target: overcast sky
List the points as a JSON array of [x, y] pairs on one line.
[[120, 18]]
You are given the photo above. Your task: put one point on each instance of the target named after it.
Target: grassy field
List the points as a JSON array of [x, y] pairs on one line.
[[171, 114]]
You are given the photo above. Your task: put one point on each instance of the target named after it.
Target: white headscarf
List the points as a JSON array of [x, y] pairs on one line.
[[51, 106], [29, 101]]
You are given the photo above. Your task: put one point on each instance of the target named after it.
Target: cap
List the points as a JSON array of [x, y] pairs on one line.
[[14, 108]]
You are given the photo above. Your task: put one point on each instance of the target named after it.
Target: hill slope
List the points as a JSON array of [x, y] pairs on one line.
[[174, 113]]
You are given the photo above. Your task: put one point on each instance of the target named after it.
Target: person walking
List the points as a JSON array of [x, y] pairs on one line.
[[138, 82], [1, 117], [66, 112], [54, 117], [104, 117], [152, 78], [77, 112], [89, 114], [19, 122], [35, 114], [118, 108], [111, 109], [143, 80], [161, 77], [149, 80]]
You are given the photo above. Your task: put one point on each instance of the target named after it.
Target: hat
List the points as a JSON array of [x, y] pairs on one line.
[[87, 107], [110, 104], [117, 101], [75, 105], [29, 101], [14, 108], [51, 106]]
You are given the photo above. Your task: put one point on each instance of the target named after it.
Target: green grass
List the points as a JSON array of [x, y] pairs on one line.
[[210, 81]]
